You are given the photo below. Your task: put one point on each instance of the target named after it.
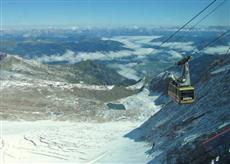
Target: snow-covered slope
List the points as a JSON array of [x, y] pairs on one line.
[[177, 132], [75, 142]]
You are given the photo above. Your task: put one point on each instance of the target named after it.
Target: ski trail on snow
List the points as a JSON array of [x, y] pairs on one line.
[[76, 142], [98, 158]]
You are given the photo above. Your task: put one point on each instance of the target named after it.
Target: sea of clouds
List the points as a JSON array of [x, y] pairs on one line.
[[137, 46]]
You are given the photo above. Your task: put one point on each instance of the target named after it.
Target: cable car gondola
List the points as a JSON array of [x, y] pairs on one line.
[[180, 89]]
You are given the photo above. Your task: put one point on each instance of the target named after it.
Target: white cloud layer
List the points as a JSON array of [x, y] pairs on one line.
[[217, 50], [127, 70], [174, 54], [132, 42], [183, 46]]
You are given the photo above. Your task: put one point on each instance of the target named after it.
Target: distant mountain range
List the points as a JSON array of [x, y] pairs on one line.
[[31, 48], [88, 72]]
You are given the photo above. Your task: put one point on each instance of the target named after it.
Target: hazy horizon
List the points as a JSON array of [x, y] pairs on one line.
[[111, 13]]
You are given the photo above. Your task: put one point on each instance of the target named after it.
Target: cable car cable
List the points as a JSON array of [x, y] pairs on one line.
[[208, 14], [213, 41], [172, 35], [227, 53]]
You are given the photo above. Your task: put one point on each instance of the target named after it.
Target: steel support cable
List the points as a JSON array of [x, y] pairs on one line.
[[227, 53], [208, 14], [213, 41], [198, 14], [203, 18]]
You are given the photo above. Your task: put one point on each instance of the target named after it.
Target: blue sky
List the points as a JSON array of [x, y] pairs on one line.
[[108, 12]]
